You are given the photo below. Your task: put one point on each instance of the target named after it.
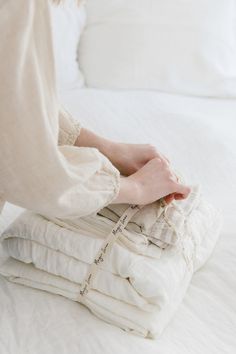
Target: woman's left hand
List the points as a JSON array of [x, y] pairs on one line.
[[129, 158]]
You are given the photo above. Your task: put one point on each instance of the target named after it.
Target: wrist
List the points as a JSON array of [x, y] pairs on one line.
[[135, 189], [106, 147], [129, 193], [87, 138]]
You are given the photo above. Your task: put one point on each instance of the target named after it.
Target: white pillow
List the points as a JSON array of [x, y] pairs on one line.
[[68, 21], [177, 46]]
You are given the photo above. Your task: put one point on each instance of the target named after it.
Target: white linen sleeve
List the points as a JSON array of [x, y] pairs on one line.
[[36, 173], [69, 128]]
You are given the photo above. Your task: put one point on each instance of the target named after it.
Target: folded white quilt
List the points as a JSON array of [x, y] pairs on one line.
[[138, 286], [161, 224]]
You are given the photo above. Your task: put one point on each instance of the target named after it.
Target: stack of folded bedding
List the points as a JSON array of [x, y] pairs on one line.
[[140, 282]]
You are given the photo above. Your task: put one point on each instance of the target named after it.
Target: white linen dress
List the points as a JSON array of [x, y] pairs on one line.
[[40, 169]]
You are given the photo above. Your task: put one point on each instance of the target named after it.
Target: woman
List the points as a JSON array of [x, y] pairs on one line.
[[48, 162]]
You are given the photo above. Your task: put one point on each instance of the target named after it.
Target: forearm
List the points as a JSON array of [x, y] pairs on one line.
[[88, 138]]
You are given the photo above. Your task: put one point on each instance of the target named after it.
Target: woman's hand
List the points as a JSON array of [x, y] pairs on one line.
[[129, 158], [153, 181], [149, 174]]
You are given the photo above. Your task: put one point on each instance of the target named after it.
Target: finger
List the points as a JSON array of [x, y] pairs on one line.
[[175, 177], [156, 153], [169, 198], [183, 190], [164, 159], [178, 196], [167, 160]]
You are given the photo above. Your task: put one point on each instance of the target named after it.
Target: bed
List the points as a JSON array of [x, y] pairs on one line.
[[198, 135]]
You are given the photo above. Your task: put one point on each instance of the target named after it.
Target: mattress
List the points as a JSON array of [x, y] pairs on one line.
[[198, 135]]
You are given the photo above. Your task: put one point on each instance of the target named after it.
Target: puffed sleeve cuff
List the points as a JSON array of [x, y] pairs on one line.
[[112, 186], [94, 182], [103, 187], [69, 128]]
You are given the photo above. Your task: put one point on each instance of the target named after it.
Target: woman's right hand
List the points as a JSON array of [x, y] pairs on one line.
[[153, 181]]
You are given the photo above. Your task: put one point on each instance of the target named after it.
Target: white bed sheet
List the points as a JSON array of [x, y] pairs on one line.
[[198, 135]]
